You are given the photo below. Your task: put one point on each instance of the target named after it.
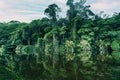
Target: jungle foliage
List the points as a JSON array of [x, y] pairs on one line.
[[82, 46]]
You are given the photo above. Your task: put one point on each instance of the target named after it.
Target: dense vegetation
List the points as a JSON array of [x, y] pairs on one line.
[[82, 46]]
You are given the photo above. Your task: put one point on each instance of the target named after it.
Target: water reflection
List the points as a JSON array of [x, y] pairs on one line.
[[116, 55]]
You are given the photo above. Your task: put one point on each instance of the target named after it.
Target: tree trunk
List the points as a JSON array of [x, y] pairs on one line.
[[74, 32], [55, 50]]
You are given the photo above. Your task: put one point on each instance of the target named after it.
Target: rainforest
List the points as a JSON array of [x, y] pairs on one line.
[[81, 46]]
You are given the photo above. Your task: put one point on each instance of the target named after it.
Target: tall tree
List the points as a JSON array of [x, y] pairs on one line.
[[52, 13], [71, 12]]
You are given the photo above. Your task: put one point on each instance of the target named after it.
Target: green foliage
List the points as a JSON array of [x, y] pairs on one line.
[[116, 56], [83, 46], [27, 49], [52, 11], [115, 45]]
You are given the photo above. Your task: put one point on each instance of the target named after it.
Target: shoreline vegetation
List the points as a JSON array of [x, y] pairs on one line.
[[82, 46]]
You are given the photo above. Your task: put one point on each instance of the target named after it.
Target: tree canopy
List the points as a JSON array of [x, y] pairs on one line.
[[81, 46]]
